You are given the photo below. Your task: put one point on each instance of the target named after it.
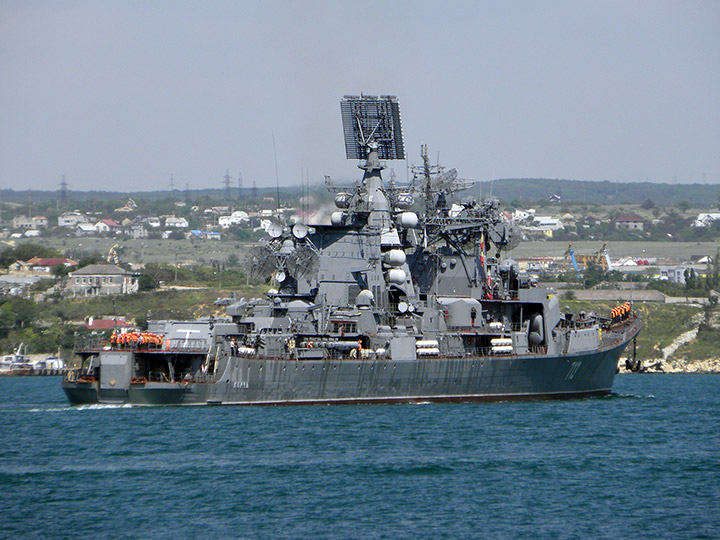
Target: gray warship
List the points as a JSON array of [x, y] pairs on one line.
[[403, 297]]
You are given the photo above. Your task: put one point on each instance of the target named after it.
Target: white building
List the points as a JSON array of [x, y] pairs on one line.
[[264, 225], [706, 220], [40, 222], [23, 222], [548, 223], [138, 231], [236, 218], [71, 219], [101, 279], [176, 222], [629, 224], [522, 215], [85, 229], [675, 274], [106, 225]]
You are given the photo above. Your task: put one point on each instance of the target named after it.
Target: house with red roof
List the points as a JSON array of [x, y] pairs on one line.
[[39, 265], [629, 224], [107, 323], [46, 265], [107, 225]]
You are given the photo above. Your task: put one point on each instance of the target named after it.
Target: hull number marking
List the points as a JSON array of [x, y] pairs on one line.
[[573, 370]]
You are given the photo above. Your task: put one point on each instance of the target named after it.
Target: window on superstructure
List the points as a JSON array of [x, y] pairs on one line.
[[347, 327]]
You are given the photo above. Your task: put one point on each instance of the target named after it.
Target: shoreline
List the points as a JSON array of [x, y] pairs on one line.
[[711, 366]]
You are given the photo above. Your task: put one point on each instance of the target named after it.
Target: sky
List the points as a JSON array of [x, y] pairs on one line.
[[120, 95]]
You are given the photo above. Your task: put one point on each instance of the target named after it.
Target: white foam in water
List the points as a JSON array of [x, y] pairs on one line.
[[49, 409], [68, 408], [101, 406]]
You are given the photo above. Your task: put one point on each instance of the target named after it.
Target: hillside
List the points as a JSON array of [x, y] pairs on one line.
[[581, 191], [507, 189]]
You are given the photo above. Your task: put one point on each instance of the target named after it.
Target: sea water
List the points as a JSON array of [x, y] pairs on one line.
[[641, 463]]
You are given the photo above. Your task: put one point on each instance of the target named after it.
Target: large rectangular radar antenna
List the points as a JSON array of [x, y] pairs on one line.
[[368, 119]]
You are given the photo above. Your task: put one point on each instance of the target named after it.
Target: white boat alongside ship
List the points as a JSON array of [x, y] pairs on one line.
[[19, 362]]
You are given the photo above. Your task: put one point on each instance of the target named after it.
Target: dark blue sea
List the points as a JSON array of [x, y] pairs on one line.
[[641, 463]]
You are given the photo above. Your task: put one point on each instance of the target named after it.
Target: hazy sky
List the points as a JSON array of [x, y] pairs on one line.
[[120, 94]]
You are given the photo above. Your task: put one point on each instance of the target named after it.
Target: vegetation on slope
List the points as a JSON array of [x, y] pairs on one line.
[[45, 326]]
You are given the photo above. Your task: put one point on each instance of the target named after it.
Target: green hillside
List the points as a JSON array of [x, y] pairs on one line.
[[507, 189], [581, 191]]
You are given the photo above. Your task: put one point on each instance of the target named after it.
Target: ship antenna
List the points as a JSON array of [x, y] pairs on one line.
[[277, 176]]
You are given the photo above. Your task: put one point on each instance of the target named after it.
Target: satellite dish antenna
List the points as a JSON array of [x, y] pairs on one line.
[[402, 307], [280, 277], [275, 230], [300, 231]]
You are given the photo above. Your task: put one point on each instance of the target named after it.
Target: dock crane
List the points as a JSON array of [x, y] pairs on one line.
[[571, 253], [600, 257]]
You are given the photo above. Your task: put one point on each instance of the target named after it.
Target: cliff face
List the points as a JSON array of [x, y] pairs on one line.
[[693, 351]]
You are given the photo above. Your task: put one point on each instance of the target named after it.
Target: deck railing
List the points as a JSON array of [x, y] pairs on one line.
[[96, 344]]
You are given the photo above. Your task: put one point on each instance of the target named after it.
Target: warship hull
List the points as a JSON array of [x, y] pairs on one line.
[[254, 381]]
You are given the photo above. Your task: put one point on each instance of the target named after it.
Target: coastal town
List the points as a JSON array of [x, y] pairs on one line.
[[588, 254], [116, 230]]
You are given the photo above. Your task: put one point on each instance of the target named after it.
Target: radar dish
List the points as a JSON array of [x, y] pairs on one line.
[[300, 231], [506, 236], [372, 118], [275, 230], [445, 180], [303, 262], [260, 261]]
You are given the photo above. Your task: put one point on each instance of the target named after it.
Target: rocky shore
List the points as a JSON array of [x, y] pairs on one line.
[[711, 365], [675, 358]]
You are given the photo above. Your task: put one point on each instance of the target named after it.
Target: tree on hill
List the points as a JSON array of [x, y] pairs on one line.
[[713, 272], [16, 313], [91, 258], [23, 252], [60, 270], [147, 283]]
